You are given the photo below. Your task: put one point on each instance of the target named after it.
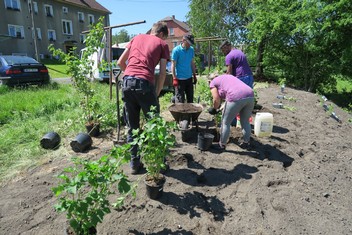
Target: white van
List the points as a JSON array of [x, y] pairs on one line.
[[101, 74]]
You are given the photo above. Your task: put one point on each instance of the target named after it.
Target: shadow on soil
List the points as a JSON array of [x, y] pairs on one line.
[[164, 231]]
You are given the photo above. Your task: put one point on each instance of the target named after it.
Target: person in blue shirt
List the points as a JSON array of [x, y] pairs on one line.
[[184, 70]]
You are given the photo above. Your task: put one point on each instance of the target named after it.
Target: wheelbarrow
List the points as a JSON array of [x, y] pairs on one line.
[[185, 114]]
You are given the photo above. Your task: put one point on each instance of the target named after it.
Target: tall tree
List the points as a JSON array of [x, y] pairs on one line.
[[224, 18], [306, 39], [121, 36], [218, 18]]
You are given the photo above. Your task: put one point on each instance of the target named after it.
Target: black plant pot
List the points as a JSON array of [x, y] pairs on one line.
[[205, 140], [69, 231], [50, 140], [93, 129], [81, 143], [154, 190]]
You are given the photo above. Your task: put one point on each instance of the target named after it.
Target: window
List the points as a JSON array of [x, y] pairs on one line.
[[51, 35], [91, 19], [35, 7], [174, 44], [80, 17], [82, 37], [12, 4], [67, 27], [48, 10], [64, 10], [172, 33], [39, 33], [16, 31]]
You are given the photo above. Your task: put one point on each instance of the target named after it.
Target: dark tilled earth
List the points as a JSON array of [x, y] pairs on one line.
[[298, 181]]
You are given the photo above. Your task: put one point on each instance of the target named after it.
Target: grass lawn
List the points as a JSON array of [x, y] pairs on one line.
[[341, 95], [344, 85], [27, 114], [56, 68]]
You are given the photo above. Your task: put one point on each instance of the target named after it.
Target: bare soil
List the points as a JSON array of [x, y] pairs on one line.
[[298, 181]]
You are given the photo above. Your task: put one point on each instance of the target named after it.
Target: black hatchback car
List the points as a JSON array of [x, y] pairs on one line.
[[22, 70]]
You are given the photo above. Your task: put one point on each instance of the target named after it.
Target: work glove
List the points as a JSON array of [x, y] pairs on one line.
[[213, 111], [194, 79], [175, 82]]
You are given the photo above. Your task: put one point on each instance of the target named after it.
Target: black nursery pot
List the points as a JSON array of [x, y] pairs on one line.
[[81, 143], [69, 230], [93, 129], [50, 140], [205, 140], [155, 190]]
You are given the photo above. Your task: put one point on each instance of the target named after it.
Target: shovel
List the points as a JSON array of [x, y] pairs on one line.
[[117, 83]]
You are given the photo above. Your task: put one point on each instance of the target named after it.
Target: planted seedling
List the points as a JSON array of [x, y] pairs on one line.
[[290, 108], [282, 83], [330, 110], [154, 142], [81, 72], [85, 187], [283, 97]]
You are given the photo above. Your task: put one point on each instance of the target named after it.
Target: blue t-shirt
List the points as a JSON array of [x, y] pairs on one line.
[[183, 58]]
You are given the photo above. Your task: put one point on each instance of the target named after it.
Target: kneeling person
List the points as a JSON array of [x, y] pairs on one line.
[[239, 99]]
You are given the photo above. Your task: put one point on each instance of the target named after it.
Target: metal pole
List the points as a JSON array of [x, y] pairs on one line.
[[209, 59], [118, 108], [119, 25], [30, 7], [109, 57]]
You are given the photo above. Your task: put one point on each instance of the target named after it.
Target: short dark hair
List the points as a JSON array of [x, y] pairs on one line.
[[224, 43], [159, 27], [189, 38]]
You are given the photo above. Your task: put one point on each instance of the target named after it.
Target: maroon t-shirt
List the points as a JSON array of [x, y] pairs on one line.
[[145, 53]]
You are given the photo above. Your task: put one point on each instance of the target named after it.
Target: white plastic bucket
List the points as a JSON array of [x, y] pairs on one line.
[[263, 124]]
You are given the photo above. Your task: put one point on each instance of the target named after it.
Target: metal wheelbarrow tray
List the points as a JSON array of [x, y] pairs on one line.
[[188, 112]]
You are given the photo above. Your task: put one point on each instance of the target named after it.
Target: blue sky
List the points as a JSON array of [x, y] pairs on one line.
[[127, 11]]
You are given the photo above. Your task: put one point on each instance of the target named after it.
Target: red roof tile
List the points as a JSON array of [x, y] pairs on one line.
[[180, 23]]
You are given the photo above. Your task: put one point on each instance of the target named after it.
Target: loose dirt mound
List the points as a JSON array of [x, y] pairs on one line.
[[298, 181]]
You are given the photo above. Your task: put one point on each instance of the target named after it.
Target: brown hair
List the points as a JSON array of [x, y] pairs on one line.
[[224, 43], [160, 27]]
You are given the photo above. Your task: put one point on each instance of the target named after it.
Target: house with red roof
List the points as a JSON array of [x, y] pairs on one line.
[[176, 31]]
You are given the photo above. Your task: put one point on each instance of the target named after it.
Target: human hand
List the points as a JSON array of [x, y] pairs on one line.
[[175, 82], [212, 111]]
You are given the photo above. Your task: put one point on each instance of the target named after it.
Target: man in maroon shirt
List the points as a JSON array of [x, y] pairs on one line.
[[140, 90]]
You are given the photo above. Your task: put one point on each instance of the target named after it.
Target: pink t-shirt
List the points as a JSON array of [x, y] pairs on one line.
[[231, 88], [145, 53]]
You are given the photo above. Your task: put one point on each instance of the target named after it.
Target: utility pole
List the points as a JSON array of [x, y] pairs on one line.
[[30, 8]]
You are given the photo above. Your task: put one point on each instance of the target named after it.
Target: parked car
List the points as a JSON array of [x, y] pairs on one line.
[[168, 79], [22, 70]]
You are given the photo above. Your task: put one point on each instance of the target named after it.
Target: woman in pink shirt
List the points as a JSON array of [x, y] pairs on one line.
[[239, 99]]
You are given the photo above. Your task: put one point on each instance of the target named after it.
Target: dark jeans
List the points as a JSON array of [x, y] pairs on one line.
[[185, 87], [138, 94]]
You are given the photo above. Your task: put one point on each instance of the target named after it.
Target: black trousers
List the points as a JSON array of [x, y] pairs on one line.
[[185, 87], [138, 94]]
